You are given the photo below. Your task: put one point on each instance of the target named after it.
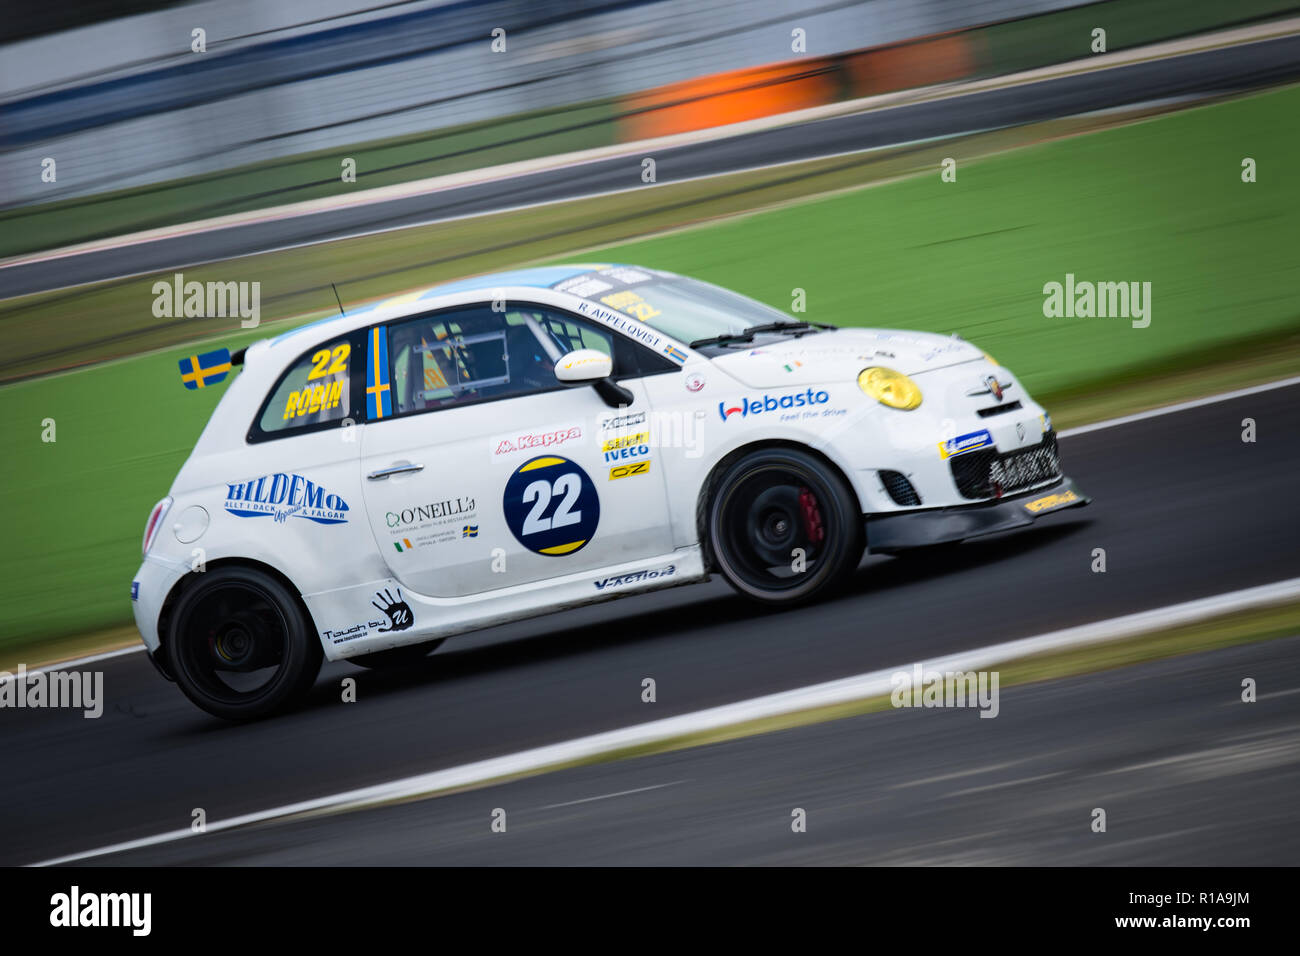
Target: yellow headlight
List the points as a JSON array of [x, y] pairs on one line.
[[890, 388]]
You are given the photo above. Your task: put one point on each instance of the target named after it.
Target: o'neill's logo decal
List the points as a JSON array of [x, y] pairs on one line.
[[283, 497]]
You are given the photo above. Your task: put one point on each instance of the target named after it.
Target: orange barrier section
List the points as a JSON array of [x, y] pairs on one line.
[[731, 97], [738, 95], [937, 59]]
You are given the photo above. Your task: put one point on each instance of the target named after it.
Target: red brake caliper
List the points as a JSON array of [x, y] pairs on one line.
[[812, 517]]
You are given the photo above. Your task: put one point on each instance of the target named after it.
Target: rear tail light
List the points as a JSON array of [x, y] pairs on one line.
[[155, 522]]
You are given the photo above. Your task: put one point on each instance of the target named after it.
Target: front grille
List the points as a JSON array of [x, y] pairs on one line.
[[899, 488], [989, 474], [997, 410]]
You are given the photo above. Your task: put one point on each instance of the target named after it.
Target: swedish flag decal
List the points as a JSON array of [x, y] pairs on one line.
[[200, 371], [379, 399]]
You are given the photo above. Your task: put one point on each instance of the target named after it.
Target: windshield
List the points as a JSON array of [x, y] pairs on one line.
[[686, 309]]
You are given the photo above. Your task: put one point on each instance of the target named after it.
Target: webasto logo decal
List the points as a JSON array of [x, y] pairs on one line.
[[771, 403], [285, 496]]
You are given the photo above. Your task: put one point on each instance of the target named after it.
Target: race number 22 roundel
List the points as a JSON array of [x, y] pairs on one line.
[[551, 506]]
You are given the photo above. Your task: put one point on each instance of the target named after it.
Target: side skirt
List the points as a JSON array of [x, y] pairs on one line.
[[349, 624]]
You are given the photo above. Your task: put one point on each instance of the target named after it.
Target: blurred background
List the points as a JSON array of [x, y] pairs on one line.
[[142, 138], [409, 89], [916, 164]]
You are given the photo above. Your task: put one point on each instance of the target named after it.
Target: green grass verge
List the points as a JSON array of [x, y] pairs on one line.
[[1067, 34], [1160, 201], [51, 330]]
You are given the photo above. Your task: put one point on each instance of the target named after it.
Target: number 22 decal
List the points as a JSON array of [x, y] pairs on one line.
[[321, 365], [541, 492], [551, 506]]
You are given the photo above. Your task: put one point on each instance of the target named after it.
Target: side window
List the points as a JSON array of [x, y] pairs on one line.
[[315, 392], [462, 356], [468, 355], [630, 360], [569, 334]]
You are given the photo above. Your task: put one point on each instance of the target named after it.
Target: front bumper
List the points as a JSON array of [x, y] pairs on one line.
[[913, 529]]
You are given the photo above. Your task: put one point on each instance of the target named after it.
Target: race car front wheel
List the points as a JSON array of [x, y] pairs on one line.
[[241, 646], [783, 527]]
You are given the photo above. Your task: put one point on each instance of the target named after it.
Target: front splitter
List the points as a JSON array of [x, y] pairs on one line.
[[916, 529]]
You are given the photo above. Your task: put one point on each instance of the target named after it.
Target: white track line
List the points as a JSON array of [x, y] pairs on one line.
[[610, 796], [1180, 407], [1069, 432], [5, 676], [843, 691]]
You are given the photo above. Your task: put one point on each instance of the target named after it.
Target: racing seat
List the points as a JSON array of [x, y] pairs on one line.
[[530, 368]]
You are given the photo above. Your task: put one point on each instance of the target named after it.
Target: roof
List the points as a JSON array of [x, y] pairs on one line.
[[537, 277]]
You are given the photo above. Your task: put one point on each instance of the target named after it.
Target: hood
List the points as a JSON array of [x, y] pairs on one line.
[[840, 354]]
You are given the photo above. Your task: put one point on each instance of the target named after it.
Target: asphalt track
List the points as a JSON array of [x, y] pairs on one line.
[[1183, 507], [1212, 71], [1187, 773]]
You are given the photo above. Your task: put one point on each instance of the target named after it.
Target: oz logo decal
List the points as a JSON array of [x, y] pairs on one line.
[[551, 506]]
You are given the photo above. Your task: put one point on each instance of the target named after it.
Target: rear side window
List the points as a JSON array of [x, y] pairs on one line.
[[315, 393]]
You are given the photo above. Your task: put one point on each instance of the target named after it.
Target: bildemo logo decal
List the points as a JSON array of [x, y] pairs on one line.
[[285, 496], [771, 403]]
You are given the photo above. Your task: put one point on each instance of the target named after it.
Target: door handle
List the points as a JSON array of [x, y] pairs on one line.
[[394, 470]]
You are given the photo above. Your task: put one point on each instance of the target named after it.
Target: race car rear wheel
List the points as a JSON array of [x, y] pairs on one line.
[[240, 644], [397, 656], [783, 527]]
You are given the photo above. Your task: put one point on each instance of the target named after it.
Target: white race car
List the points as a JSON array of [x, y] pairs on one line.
[[519, 443]]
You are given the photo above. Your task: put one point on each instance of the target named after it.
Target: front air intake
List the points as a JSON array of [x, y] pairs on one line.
[[899, 488], [988, 474]]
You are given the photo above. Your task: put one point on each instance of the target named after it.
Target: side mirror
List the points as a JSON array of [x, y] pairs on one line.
[[590, 367], [583, 367]]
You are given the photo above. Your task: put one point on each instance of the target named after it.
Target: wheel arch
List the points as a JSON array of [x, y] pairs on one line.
[[192, 578], [710, 486]]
